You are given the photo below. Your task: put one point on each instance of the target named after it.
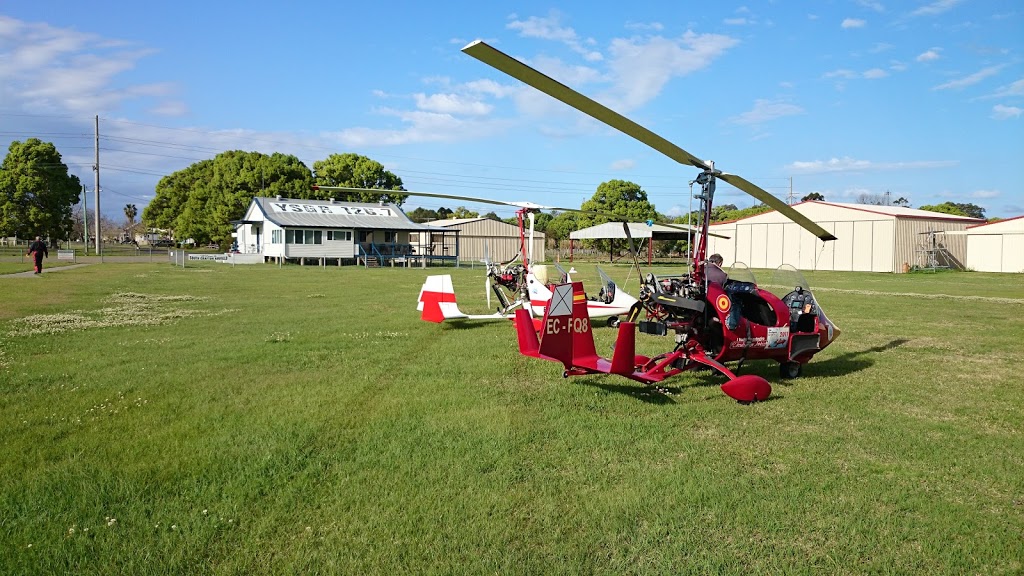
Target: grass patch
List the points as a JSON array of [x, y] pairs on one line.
[[266, 420]]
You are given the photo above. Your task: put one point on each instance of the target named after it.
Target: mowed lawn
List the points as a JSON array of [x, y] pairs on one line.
[[265, 420]]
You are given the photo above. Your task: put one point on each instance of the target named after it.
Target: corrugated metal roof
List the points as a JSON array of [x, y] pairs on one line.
[[821, 211], [898, 211], [636, 230], [286, 212], [1015, 224], [452, 222]]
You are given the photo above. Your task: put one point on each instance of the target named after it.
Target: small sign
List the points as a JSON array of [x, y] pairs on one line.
[[66, 255]]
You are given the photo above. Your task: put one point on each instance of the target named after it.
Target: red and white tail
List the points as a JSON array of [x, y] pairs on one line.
[[437, 300]]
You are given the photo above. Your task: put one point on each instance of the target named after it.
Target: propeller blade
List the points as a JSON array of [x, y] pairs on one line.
[[487, 290], [505, 63], [632, 250], [782, 207]]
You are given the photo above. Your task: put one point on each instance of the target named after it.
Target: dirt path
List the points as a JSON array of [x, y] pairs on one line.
[[45, 271]]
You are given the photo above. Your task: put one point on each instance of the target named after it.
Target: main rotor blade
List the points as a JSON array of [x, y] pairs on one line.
[[505, 63], [516, 69], [528, 205], [692, 229], [782, 207]]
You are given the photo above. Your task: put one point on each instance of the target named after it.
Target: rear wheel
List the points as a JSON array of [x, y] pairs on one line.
[[613, 321], [790, 370]]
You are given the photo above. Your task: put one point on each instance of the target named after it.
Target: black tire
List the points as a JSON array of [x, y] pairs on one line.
[[613, 321], [790, 370]]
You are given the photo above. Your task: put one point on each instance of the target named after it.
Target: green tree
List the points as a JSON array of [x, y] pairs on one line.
[[957, 209], [422, 215], [813, 196], [621, 198], [200, 201], [36, 191], [463, 212], [355, 171]]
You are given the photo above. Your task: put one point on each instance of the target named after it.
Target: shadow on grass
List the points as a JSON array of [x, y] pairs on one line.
[[649, 394], [838, 366], [662, 394], [851, 362]]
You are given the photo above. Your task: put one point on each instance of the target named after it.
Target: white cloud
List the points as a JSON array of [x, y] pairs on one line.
[[875, 73], [625, 164], [641, 67], [841, 73], [985, 194], [645, 26], [170, 108], [852, 23], [550, 28], [881, 47], [451, 104], [1013, 89], [935, 8], [1000, 112], [871, 5], [929, 55], [969, 80], [847, 164], [50, 69], [765, 110], [420, 126], [735, 21]]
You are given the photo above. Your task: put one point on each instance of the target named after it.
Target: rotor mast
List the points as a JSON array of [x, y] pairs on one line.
[[706, 179]]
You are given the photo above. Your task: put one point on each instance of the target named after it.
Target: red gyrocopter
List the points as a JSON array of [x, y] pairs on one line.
[[712, 323]]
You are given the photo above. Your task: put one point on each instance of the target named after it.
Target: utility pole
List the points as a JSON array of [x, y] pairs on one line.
[[96, 168], [85, 216], [791, 199]]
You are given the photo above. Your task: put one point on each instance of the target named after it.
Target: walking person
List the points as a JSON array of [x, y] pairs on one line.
[[37, 250]]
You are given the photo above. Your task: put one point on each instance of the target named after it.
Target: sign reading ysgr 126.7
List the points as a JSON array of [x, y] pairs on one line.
[[333, 209]]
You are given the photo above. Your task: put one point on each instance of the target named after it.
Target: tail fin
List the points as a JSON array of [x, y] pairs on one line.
[[437, 299], [565, 332]]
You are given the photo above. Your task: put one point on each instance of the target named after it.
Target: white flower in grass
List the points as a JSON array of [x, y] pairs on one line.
[[174, 526], [205, 512]]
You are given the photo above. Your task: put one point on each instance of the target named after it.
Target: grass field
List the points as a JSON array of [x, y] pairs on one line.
[[257, 420]]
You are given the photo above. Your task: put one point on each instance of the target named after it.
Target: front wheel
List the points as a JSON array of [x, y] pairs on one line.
[[613, 321], [790, 370]]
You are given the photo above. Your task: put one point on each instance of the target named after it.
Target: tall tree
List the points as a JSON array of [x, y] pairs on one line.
[[36, 191], [130, 212], [622, 198], [355, 171], [812, 196]]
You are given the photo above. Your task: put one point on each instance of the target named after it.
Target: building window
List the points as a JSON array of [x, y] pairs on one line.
[[276, 236], [339, 235], [390, 236], [304, 236]]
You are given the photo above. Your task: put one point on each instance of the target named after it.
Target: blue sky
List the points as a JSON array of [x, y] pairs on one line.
[[923, 99]]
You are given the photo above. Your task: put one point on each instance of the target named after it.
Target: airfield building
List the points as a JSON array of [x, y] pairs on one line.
[[870, 239], [996, 246], [481, 238], [337, 231]]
